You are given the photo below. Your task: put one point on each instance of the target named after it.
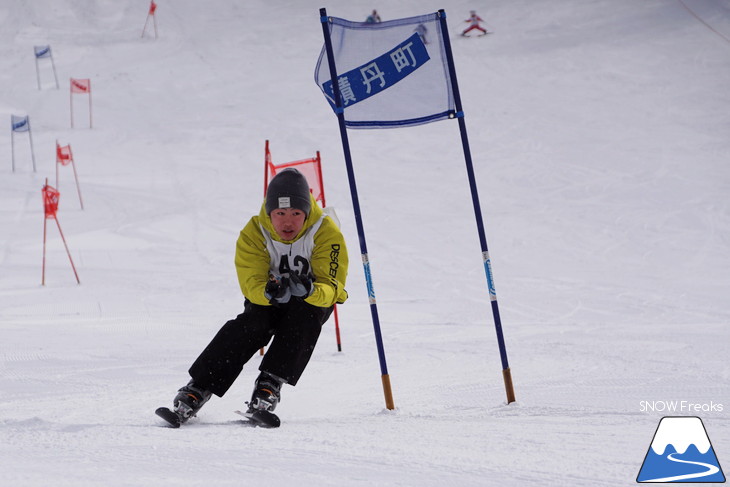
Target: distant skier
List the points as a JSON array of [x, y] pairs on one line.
[[291, 262], [474, 19], [421, 30], [373, 18]]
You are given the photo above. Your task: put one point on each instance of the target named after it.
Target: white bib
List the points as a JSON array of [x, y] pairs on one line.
[[285, 258]]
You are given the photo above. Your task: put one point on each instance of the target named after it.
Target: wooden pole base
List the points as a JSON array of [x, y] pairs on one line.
[[388, 392], [507, 375]]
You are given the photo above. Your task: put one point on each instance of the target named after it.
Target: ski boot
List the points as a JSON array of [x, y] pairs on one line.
[[266, 395], [187, 403]]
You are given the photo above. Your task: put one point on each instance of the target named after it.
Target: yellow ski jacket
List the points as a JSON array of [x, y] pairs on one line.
[[324, 258]]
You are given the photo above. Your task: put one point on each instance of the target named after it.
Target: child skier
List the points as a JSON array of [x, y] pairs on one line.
[[474, 19], [373, 18], [291, 262]]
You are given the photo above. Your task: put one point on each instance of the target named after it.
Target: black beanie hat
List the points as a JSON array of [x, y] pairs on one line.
[[288, 189]]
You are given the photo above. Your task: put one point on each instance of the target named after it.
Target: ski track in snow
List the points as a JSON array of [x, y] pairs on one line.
[[599, 137]]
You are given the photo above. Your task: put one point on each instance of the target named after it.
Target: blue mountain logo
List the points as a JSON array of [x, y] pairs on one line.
[[681, 452]]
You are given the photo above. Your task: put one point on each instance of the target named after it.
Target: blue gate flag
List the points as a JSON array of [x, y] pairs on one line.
[[42, 51], [390, 74], [19, 124]]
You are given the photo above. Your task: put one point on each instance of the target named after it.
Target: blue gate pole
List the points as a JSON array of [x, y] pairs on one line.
[[356, 206], [507, 375]]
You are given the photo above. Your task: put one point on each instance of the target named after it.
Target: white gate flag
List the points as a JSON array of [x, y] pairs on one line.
[[390, 74]]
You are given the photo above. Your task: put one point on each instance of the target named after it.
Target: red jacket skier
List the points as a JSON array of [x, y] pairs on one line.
[[474, 19]]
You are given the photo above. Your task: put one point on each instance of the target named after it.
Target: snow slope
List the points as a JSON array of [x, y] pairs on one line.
[[599, 131]]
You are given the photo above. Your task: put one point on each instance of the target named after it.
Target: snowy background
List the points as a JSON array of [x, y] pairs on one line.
[[600, 132]]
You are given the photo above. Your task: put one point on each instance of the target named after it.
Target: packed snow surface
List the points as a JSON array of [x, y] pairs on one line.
[[600, 134]]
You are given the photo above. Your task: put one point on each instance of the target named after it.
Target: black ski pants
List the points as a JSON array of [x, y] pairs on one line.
[[295, 327]]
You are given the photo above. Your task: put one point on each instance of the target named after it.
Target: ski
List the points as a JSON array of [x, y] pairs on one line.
[[172, 418], [477, 35], [261, 418]]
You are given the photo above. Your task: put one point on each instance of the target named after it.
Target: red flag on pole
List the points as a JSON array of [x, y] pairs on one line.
[[311, 169], [50, 208], [50, 201], [82, 86], [63, 154], [64, 157], [151, 13]]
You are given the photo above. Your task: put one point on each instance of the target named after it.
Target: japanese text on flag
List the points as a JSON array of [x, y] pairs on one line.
[[381, 73]]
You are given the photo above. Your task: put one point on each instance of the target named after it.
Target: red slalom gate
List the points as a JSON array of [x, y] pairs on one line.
[[64, 157], [50, 207]]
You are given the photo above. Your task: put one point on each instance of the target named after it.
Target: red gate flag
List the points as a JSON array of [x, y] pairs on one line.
[[80, 85], [50, 207], [64, 157], [151, 13], [311, 169], [50, 201], [63, 154]]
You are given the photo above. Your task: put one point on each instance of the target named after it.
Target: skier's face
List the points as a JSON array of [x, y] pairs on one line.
[[288, 222]]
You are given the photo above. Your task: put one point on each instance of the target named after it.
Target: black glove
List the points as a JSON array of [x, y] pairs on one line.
[[300, 285], [277, 291]]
